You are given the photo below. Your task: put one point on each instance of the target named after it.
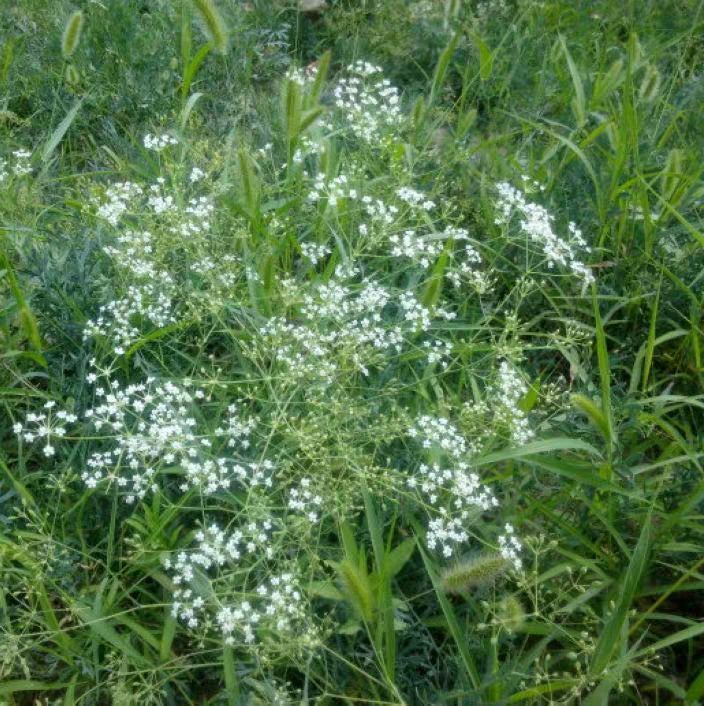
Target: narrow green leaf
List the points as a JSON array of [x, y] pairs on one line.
[[537, 447], [613, 634], [454, 626], [441, 68], [231, 681], [58, 134]]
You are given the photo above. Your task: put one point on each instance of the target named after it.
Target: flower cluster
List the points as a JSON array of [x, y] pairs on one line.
[[117, 200], [438, 351], [369, 104], [21, 166], [156, 143], [456, 495], [45, 425], [302, 77], [145, 301], [332, 190], [196, 218], [305, 501], [314, 252], [415, 198], [339, 317], [277, 604], [510, 547], [501, 408], [537, 223], [378, 211], [421, 249], [215, 548], [152, 426], [440, 433], [509, 392]]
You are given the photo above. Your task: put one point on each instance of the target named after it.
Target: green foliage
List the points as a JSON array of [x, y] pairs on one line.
[[598, 106]]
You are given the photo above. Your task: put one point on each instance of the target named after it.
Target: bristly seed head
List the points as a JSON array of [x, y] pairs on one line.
[[213, 24], [72, 34], [476, 572]]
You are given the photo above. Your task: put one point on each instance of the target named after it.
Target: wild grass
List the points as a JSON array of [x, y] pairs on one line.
[[317, 409]]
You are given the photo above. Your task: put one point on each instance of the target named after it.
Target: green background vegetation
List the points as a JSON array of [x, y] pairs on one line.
[[600, 101]]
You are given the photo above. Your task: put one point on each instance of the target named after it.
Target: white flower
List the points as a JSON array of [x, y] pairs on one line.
[[537, 224], [157, 143]]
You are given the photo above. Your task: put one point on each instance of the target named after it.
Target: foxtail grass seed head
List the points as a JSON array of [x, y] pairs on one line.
[[213, 24], [72, 34], [473, 573], [650, 84], [511, 613]]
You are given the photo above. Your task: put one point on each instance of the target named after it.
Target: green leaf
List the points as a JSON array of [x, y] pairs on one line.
[[399, 556], [100, 625], [486, 57], [579, 102], [454, 626], [17, 685], [325, 589], [231, 681], [58, 134], [537, 447], [604, 370], [612, 636], [442, 67]]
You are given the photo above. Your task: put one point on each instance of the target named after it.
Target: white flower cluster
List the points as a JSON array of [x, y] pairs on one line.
[[439, 432], [158, 201], [305, 146], [414, 312], [305, 500], [410, 244], [133, 251], [377, 210], [458, 496], [213, 474], [302, 77], [438, 351], [152, 426], [510, 547], [368, 103], [509, 392], [314, 252], [222, 273], [537, 224], [196, 174], [156, 143], [215, 549], [21, 166], [415, 198], [196, 217], [143, 301], [150, 296], [44, 426], [333, 190], [118, 198], [500, 408], [277, 605], [338, 318], [238, 428]]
